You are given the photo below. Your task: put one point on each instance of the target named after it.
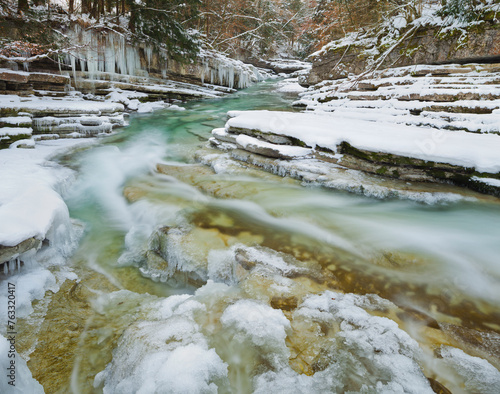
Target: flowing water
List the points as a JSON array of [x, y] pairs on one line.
[[193, 279]]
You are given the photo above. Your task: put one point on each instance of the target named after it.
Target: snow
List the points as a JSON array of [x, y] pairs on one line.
[[29, 205], [15, 120], [264, 327], [488, 181], [165, 355], [478, 374], [323, 130], [68, 105], [290, 85], [31, 214], [251, 143], [15, 131], [24, 381]]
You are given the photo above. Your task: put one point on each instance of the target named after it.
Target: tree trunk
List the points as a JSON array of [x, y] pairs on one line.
[[71, 6], [133, 15], [22, 5], [85, 6]]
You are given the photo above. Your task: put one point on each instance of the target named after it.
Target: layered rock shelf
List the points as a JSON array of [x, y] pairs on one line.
[[85, 91], [434, 124]]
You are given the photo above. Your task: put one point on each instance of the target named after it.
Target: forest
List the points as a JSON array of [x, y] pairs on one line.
[[238, 28]]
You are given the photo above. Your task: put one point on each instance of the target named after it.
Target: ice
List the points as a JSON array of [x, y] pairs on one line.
[[478, 374], [320, 173], [169, 355], [227, 72], [264, 327], [24, 382], [366, 353], [30, 286]]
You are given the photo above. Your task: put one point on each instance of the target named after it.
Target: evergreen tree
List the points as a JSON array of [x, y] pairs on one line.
[[462, 10], [161, 21]]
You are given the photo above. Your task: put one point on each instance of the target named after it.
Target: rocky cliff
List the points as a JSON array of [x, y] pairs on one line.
[[423, 42]]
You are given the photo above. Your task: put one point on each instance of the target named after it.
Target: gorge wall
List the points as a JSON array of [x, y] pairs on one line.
[[427, 44]]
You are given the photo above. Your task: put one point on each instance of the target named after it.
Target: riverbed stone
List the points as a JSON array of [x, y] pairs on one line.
[[8, 253]]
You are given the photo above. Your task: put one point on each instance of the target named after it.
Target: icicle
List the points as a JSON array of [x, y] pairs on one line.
[[5, 268], [73, 67], [18, 265], [109, 54], [149, 55]]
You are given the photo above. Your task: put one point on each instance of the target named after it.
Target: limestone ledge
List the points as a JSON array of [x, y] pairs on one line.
[[8, 253], [347, 157]]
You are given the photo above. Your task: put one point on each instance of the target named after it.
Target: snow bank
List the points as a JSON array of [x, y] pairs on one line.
[[322, 130], [32, 210], [24, 381], [29, 205], [15, 131], [290, 85]]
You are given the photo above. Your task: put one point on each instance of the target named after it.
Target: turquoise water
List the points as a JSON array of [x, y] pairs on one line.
[[432, 258]]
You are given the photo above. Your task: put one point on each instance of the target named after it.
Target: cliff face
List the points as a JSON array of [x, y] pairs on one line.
[[106, 53], [479, 43]]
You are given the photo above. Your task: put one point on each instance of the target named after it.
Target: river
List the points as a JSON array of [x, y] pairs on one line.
[[251, 298]]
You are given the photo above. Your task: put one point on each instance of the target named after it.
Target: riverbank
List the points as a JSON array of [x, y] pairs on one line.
[[181, 262], [425, 123]]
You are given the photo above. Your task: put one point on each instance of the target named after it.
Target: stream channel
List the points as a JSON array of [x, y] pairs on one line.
[[236, 280]]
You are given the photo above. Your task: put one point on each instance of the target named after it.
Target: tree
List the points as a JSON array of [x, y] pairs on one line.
[[461, 10], [22, 6], [161, 21]]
